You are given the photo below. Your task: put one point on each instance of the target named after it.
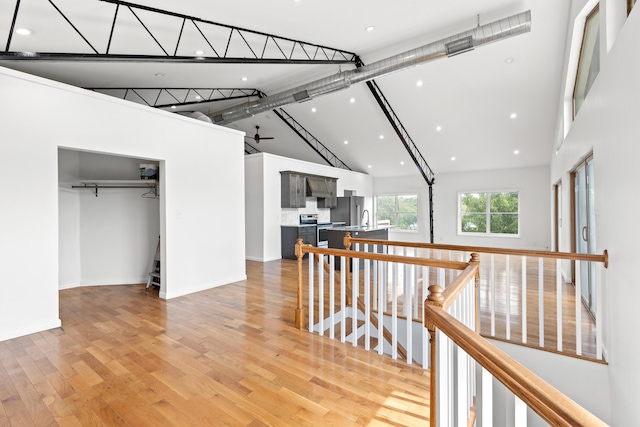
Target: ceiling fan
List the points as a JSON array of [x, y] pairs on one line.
[[257, 138]]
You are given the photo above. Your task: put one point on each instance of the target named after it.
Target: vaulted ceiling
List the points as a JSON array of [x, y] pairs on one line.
[[462, 108]]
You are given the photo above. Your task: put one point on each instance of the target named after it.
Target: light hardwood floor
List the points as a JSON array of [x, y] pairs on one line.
[[226, 356]]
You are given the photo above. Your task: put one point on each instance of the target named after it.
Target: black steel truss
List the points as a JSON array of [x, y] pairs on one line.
[[256, 47], [250, 149], [311, 140], [170, 97]]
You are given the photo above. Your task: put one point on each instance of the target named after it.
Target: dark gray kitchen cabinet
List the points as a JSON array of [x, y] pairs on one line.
[[292, 190], [332, 200], [289, 236]]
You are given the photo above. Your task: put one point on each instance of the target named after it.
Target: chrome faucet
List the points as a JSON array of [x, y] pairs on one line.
[[362, 217]]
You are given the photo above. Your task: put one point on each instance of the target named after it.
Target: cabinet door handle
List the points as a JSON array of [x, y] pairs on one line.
[[584, 233]]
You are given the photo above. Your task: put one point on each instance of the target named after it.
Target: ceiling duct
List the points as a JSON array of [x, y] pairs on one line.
[[459, 43]]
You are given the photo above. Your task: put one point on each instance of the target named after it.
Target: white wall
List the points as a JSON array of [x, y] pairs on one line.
[[584, 382], [532, 184], [267, 212], [608, 126], [203, 180]]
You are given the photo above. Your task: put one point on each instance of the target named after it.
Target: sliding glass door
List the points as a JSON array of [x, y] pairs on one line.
[[585, 229]]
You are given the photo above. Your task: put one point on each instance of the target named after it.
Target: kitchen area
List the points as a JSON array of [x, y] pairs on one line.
[[312, 211]]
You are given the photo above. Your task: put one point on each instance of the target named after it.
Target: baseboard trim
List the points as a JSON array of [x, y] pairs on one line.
[[205, 286], [31, 329]]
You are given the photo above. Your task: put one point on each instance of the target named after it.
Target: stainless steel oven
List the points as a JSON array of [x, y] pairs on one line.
[[323, 235]]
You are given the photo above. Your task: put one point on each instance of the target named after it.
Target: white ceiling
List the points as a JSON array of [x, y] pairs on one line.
[[471, 96]]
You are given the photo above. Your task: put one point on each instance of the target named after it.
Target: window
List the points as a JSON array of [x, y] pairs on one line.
[[400, 211], [488, 213], [589, 62]]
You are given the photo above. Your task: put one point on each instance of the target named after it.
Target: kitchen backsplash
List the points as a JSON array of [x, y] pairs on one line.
[[292, 216]]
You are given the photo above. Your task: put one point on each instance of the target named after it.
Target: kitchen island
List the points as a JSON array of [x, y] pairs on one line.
[[336, 237]]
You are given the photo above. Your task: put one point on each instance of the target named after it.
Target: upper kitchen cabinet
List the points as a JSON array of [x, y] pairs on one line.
[[293, 190], [331, 200]]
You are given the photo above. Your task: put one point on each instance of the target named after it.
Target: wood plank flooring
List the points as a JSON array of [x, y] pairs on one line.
[[229, 356]]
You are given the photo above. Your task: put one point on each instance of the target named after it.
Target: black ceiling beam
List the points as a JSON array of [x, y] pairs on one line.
[[264, 48], [214, 94]]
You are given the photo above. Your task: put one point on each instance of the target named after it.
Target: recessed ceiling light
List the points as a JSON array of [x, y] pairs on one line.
[[352, 100], [438, 128], [516, 152], [24, 31], [402, 163], [159, 74], [244, 79], [370, 28], [313, 110], [369, 166], [513, 115], [198, 97], [199, 52], [508, 60], [419, 83], [453, 159], [346, 142], [173, 107], [381, 136]]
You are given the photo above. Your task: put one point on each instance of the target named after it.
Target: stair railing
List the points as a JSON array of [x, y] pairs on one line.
[[500, 265], [366, 297]]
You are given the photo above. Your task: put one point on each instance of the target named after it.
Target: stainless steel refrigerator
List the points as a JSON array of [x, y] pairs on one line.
[[349, 210]]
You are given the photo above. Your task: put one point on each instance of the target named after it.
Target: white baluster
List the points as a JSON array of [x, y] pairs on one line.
[[559, 303], [355, 285], [519, 412], [492, 294], [426, 356], [578, 303], [443, 384], [541, 301], [414, 285], [486, 399], [311, 293], [343, 299], [394, 311], [332, 296], [524, 299], [376, 302], [508, 296], [463, 404], [381, 297], [367, 303], [601, 282], [321, 294]]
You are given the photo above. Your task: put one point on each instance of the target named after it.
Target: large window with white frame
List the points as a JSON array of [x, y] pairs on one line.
[[489, 213], [398, 211], [589, 61]]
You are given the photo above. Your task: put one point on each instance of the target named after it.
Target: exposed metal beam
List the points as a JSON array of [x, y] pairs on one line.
[[311, 140], [175, 97], [228, 44]]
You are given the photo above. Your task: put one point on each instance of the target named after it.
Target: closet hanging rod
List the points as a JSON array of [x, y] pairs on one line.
[[95, 187]]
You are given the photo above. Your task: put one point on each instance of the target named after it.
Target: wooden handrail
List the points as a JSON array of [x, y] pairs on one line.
[[426, 262], [604, 258], [549, 403]]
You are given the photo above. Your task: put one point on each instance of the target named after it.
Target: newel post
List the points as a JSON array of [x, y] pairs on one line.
[[435, 299], [475, 259], [299, 308]]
